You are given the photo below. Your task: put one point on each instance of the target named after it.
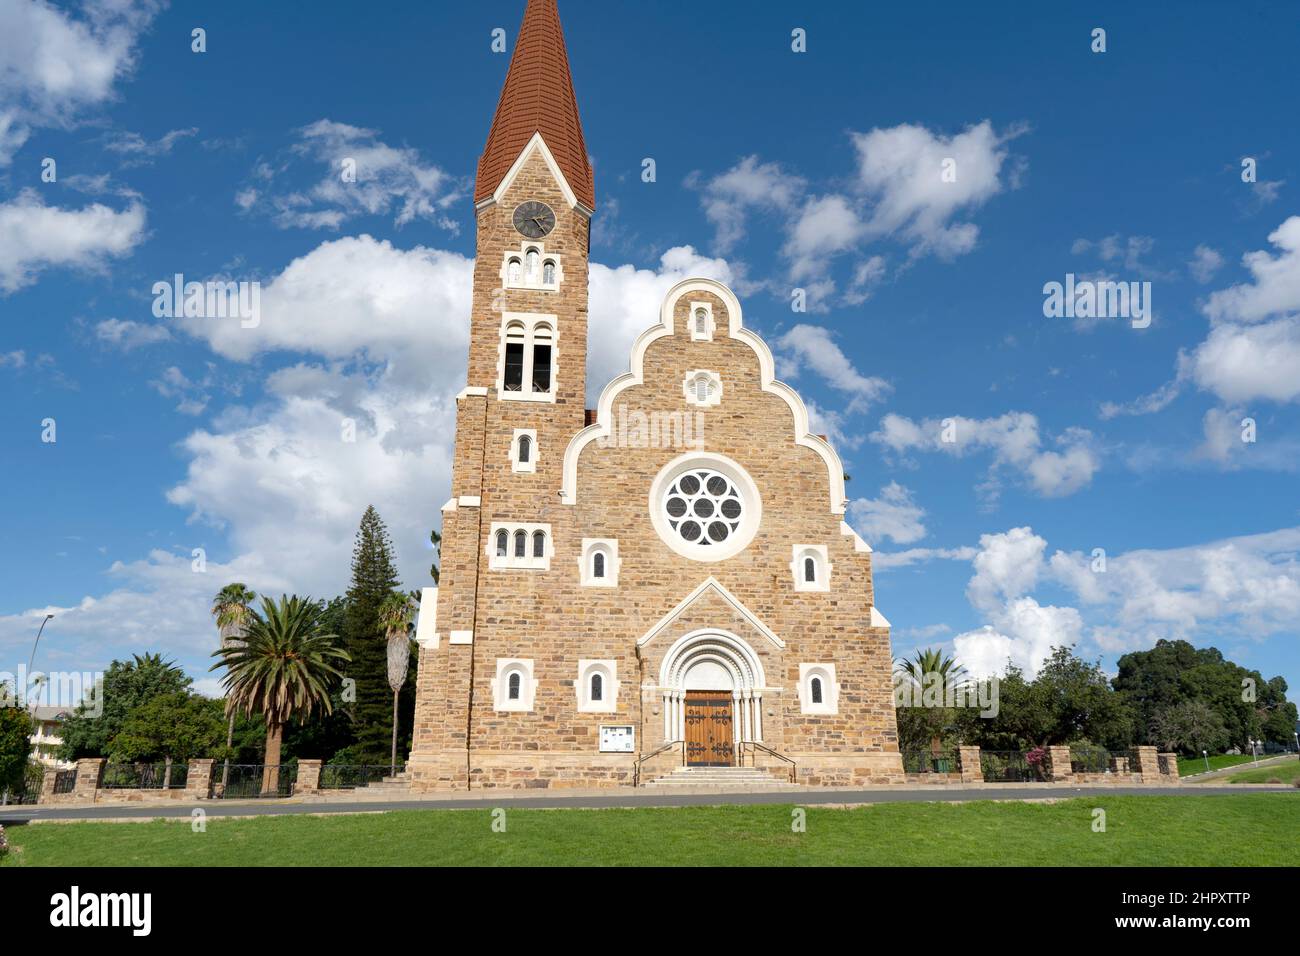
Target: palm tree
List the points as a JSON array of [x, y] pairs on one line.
[[396, 616], [282, 668], [938, 668], [231, 609]]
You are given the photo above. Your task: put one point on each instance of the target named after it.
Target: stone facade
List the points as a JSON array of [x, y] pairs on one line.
[[662, 622]]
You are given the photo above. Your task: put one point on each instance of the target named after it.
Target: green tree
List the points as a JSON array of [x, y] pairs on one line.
[[15, 746], [374, 578], [231, 608], [127, 685], [1189, 727], [1080, 703], [925, 683], [435, 571], [283, 668], [327, 731], [180, 726], [396, 616]]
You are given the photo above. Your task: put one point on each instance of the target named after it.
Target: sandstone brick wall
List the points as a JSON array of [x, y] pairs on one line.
[[548, 617]]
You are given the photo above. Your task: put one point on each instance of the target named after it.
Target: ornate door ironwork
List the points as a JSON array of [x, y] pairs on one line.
[[710, 741]]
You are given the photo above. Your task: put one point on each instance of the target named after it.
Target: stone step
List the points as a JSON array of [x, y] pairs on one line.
[[740, 777]]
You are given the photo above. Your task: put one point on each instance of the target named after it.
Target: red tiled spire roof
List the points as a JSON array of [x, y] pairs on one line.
[[537, 98]]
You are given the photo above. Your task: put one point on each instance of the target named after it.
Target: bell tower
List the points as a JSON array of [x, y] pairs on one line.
[[526, 383]]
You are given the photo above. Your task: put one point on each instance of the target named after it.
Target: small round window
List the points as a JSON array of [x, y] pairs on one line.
[[705, 510]]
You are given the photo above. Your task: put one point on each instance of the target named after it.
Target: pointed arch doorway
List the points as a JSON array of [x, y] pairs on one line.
[[712, 683]]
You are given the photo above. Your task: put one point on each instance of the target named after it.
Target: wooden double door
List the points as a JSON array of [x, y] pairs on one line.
[[710, 738]]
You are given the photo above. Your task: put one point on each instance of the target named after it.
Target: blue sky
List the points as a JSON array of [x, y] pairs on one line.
[[775, 170]]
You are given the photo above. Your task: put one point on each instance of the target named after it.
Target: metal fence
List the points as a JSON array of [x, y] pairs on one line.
[[28, 787], [145, 776], [925, 761], [352, 776], [1009, 766], [1164, 763], [65, 781], [1089, 760], [252, 780]]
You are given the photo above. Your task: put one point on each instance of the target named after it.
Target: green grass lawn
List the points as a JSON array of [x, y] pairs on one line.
[[1190, 765], [1250, 829], [1287, 772]]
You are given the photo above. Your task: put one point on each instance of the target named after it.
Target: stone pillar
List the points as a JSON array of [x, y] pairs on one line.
[[90, 770], [1171, 761], [1148, 764], [308, 777], [47, 786], [198, 779], [1059, 761], [971, 773]]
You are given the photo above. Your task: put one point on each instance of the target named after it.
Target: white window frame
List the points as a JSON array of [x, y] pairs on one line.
[[830, 704], [531, 464], [501, 684], [822, 560], [715, 387], [606, 546], [527, 563], [530, 322], [751, 501], [608, 671], [709, 325], [525, 282]]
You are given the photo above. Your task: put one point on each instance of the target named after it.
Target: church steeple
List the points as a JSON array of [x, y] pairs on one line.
[[537, 97]]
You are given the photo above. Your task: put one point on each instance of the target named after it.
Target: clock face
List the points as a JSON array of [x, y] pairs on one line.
[[534, 219]]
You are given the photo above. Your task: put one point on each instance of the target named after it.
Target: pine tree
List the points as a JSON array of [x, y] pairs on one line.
[[374, 578]]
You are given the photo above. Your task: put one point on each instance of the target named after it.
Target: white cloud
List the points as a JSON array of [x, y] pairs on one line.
[[824, 227], [1007, 566], [731, 197], [138, 151], [901, 170], [1024, 633], [811, 346], [893, 515], [388, 180], [126, 336], [53, 65], [34, 237], [15, 359], [1014, 440], [1205, 263], [881, 560]]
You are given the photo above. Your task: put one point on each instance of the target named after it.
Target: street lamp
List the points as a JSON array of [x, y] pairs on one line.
[[1206, 755], [1296, 735], [32, 660]]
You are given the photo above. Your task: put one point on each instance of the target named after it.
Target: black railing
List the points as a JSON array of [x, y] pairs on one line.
[[926, 761], [248, 781], [1090, 760], [65, 781], [1010, 766], [144, 776], [754, 746], [636, 764], [352, 776], [1163, 762]]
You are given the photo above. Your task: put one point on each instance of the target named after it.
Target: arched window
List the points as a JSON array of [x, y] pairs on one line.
[[597, 687], [810, 569], [513, 380], [525, 449], [521, 544], [815, 690], [515, 271], [542, 338], [539, 544], [512, 686], [598, 564], [701, 322], [532, 257], [503, 543], [548, 272]]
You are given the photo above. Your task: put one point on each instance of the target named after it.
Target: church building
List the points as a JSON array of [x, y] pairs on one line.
[[658, 587]]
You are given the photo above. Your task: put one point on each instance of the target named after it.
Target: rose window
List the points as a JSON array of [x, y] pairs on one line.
[[704, 507]]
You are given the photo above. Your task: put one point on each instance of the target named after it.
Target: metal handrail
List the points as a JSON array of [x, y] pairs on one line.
[[636, 765], [740, 759]]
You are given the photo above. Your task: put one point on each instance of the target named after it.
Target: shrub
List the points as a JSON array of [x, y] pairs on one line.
[[4, 842]]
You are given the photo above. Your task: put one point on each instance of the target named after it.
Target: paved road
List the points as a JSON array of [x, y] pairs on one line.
[[1239, 768], [218, 808]]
